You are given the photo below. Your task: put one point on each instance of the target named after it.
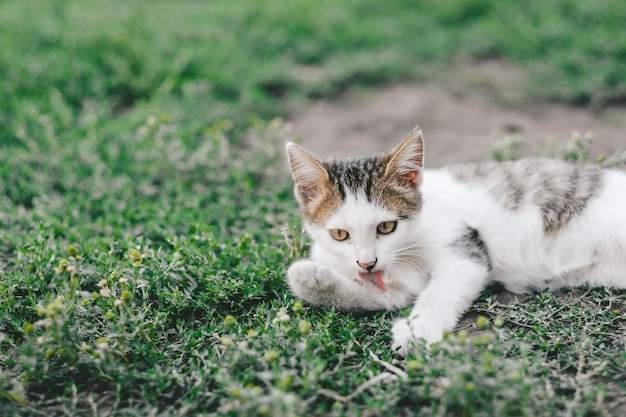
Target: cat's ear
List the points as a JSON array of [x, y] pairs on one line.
[[308, 173], [406, 161]]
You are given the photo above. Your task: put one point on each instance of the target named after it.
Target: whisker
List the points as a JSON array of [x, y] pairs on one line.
[[415, 250], [410, 261], [414, 266], [414, 259]]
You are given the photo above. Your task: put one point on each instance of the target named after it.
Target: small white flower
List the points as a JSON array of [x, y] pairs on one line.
[[123, 280], [118, 302], [45, 323], [445, 383], [282, 317], [103, 346], [105, 292], [102, 283]]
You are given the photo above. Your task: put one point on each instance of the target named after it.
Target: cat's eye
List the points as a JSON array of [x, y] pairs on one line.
[[339, 234], [386, 227]]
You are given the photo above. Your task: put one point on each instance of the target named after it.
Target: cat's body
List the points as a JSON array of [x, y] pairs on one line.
[[385, 239]]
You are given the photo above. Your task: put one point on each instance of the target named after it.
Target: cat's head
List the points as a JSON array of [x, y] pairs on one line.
[[359, 211]]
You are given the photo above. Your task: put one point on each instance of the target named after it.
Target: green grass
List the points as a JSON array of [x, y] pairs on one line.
[[146, 215]]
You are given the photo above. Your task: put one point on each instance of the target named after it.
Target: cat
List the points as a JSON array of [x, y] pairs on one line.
[[387, 234]]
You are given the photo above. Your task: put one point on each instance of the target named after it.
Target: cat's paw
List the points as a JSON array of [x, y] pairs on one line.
[[307, 277], [408, 332], [402, 337]]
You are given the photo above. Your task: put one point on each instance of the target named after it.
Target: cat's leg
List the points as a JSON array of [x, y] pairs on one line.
[[455, 284], [320, 285]]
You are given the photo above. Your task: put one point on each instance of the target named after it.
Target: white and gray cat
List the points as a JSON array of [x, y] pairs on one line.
[[388, 234]]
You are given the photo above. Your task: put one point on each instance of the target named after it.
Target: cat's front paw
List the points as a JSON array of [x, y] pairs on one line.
[[407, 332], [307, 278]]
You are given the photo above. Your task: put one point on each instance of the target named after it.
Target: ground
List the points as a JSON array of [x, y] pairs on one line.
[[462, 114]]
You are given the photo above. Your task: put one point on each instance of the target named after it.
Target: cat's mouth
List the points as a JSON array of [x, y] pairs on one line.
[[377, 276]]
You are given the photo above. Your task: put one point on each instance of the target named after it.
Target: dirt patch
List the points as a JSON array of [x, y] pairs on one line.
[[462, 114]]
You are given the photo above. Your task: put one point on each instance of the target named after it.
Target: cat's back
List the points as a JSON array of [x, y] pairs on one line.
[[515, 181], [558, 189], [540, 218]]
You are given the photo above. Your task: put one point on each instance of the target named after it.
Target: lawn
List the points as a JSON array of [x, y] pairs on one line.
[[147, 217]]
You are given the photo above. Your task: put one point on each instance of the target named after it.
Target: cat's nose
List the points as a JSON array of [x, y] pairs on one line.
[[367, 265]]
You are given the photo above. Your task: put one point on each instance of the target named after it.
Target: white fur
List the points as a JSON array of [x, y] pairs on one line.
[[589, 249]]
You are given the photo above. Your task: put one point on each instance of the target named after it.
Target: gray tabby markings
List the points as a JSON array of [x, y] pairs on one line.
[[565, 194], [560, 190], [355, 175], [368, 175], [472, 246]]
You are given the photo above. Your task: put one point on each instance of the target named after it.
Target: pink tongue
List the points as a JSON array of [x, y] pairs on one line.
[[379, 280]]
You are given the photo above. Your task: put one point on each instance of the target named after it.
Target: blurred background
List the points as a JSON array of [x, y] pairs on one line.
[[350, 76]]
